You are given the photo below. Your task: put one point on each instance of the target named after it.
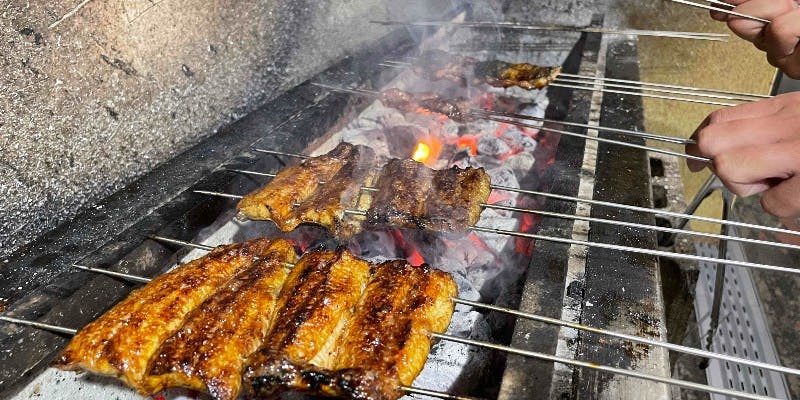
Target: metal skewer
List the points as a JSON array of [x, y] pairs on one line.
[[512, 25], [657, 90], [654, 96], [603, 203], [661, 253], [497, 118], [70, 331], [742, 96], [577, 217], [722, 10], [517, 313], [645, 135], [493, 346], [618, 371]]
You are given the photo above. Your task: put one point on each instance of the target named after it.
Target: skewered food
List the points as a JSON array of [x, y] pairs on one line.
[[410, 195], [455, 109], [122, 341], [383, 347], [524, 75], [318, 190], [437, 64], [316, 303], [208, 352], [335, 325]]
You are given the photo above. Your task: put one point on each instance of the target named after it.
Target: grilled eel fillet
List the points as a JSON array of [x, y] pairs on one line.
[[315, 303], [411, 195], [296, 195], [384, 345], [208, 352], [524, 75], [123, 340], [455, 109]]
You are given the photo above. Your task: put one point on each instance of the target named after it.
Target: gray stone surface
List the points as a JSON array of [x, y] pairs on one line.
[[119, 87]]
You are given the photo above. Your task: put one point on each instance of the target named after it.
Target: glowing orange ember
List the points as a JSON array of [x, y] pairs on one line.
[[427, 151]]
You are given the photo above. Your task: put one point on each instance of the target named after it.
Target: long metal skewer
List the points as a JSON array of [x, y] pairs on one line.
[[569, 216], [722, 10], [493, 346], [650, 95], [510, 25], [600, 139], [503, 119], [517, 313], [70, 331], [613, 370], [640, 85], [743, 95], [644, 135], [657, 90], [767, 267], [602, 203]]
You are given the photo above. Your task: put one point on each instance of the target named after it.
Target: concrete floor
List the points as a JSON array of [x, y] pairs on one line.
[[118, 87]]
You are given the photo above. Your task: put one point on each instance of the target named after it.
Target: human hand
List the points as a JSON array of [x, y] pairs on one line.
[[779, 39], [755, 148]]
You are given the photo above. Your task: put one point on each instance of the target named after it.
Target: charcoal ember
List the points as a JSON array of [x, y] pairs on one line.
[[497, 219], [377, 115], [492, 146], [520, 163], [517, 139], [487, 162], [402, 139]]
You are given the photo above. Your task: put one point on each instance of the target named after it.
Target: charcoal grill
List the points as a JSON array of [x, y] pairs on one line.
[[585, 319]]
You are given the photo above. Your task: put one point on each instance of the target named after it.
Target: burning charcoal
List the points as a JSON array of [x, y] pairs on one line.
[[402, 139], [487, 162], [516, 139], [503, 176], [520, 163], [498, 220], [492, 146]]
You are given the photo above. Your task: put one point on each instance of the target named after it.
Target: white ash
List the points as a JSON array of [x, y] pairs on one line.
[[520, 163], [515, 138], [492, 146]]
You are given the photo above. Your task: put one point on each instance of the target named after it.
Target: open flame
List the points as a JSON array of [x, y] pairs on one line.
[[427, 151]]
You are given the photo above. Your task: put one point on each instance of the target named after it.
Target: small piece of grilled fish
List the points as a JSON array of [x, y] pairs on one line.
[[208, 352], [411, 195], [121, 342], [315, 303], [317, 190], [524, 75]]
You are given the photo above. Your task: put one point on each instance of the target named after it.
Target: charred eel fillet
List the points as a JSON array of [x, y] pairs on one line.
[[208, 352], [411, 195], [296, 195], [122, 341], [384, 345], [314, 306]]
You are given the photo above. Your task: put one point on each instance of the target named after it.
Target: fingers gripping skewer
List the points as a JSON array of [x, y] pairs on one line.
[[722, 10]]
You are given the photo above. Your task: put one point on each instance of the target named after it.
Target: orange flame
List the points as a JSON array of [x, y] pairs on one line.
[[427, 151]]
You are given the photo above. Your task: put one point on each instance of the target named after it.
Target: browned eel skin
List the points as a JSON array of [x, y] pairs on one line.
[[276, 200], [455, 109], [317, 299], [411, 195], [317, 191], [208, 352], [123, 340], [386, 341], [342, 191]]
